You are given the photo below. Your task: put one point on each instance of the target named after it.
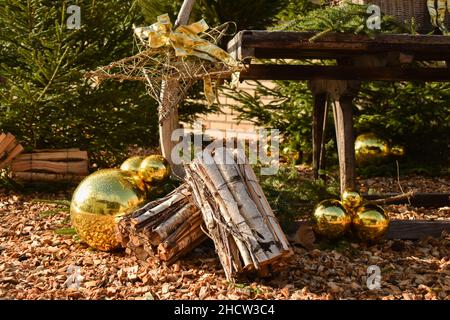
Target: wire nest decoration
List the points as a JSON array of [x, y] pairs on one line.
[[172, 61]]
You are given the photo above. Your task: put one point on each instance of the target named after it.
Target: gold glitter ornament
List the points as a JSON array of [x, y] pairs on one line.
[[369, 148], [351, 200], [154, 168], [98, 203], [370, 222], [330, 218], [132, 164]]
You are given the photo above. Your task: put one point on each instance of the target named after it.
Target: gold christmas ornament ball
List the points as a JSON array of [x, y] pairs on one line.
[[397, 150], [98, 203], [369, 148], [331, 220], [132, 164], [154, 168], [370, 222], [351, 199]]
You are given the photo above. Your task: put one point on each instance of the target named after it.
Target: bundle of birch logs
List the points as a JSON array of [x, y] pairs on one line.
[[9, 149], [245, 231], [221, 198], [164, 229]]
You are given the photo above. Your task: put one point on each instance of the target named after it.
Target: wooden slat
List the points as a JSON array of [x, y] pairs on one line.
[[46, 177], [309, 72], [6, 142], [265, 44], [54, 156], [11, 155], [76, 167], [401, 229], [417, 200]]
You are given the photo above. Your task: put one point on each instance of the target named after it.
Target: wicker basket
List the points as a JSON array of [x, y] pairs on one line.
[[405, 10]]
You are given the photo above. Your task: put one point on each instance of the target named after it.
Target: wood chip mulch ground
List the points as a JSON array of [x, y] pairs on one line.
[[38, 262]]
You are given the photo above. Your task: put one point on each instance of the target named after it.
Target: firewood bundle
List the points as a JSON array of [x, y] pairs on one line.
[[9, 149], [51, 165], [238, 217], [164, 229]]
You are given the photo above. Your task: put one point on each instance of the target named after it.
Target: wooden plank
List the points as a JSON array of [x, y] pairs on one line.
[[400, 229], [292, 45], [11, 155], [54, 156], [6, 142], [343, 119], [76, 167], [309, 72], [320, 101], [417, 200], [46, 177]]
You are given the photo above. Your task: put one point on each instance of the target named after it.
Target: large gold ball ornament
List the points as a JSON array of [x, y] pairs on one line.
[[154, 168], [98, 203], [351, 200], [331, 220], [370, 148], [370, 222], [132, 164]]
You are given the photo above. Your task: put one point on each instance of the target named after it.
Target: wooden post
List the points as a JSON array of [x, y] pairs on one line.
[[171, 122], [343, 119], [320, 101]]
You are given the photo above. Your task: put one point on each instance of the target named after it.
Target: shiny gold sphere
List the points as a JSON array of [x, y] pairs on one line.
[[132, 164], [397, 150], [154, 168], [370, 222], [331, 220], [351, 200], [98, 203], [370, 148]]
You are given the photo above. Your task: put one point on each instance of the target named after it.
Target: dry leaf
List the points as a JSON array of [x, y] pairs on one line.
[[304, 236]]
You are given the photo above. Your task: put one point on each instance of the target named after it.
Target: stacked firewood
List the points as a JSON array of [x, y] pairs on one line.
[[9, 149], [221, 197], [164, 229], [238, 217], [51, 165]]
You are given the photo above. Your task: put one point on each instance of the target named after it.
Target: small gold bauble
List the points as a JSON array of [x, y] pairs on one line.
[[154, 168], [132, 164], [370, 222], [370, 148], [330, 218], [397, 150], [351, 199], [98, 203]]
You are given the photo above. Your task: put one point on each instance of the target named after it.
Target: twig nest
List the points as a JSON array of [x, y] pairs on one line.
[[98, 203], [154, 168], [331, 220], [370, 222], [351, 200]]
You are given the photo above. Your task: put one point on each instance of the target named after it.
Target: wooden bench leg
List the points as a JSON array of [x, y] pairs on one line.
[[320, 101], [343, 118]]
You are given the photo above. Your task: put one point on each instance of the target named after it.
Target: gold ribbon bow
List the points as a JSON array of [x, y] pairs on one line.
[[186, 41]]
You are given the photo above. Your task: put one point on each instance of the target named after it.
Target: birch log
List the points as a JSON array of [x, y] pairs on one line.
[[164, 229], [245, 231]]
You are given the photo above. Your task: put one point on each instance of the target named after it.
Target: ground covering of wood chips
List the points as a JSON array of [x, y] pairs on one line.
[[37, 258]]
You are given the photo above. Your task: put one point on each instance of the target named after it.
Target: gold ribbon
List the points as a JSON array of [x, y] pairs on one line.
[[186, 41]]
